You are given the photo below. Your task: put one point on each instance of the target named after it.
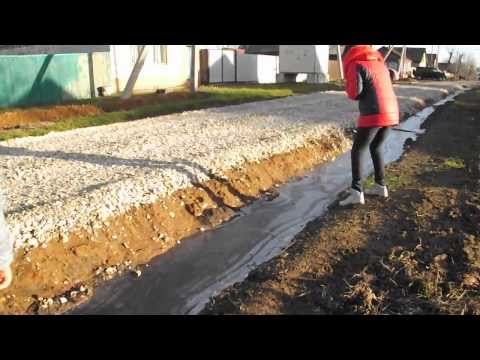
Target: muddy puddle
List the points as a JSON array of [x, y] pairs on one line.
[[182, 280]]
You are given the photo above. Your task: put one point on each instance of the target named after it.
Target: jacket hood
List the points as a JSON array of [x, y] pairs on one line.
[[360, 53]]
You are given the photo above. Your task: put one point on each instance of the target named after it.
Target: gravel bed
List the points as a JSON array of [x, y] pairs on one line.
[[62, 181]]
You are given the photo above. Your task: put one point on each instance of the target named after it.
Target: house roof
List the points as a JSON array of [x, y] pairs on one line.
[[415, 54], [384, 50], [262, 49], [395, 54]]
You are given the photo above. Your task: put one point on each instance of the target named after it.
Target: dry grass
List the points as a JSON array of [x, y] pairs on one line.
[[14, 119]]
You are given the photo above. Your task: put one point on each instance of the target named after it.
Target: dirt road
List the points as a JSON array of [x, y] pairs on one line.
[[418, 252]]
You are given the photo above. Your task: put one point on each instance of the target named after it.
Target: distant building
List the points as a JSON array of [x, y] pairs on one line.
[[296, 62], [165, 67], [432, 60], [448, 69], [418, 56], [393, 60], [58, 73], [261, 49], [333, 66]]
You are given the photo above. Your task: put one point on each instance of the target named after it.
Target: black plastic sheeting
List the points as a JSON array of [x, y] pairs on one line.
[[182, 280]]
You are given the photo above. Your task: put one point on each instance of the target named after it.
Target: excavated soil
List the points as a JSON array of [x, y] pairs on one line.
[[417, 252], [57, 276]]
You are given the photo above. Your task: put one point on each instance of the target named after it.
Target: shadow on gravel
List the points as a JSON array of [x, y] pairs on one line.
[[182, 166]]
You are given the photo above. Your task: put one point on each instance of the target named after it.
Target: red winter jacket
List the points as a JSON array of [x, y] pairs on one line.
[[368, 81]]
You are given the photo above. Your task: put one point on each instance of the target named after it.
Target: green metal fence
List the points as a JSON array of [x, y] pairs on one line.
[[27, 80]]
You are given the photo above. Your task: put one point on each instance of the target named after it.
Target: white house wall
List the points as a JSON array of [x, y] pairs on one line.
[[228, 63], [215, 66], [247, 68], [321, 65], [153, 76], [267, 69], [297, 58], [312, 59]]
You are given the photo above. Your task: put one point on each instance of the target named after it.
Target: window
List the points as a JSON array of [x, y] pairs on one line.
[[160, 54]]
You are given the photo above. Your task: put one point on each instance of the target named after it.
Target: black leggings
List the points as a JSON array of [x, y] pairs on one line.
[[373, 136]]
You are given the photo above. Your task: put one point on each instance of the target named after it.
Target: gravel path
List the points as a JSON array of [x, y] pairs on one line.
[[60, 181]]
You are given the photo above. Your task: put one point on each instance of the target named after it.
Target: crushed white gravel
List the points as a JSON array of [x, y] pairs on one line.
[[62, 181]]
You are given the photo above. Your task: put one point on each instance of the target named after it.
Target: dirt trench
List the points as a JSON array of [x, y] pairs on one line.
[[58, 276], [54, 278], [417, 252]]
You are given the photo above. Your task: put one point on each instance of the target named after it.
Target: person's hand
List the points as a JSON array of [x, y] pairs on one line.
[[5, 278]]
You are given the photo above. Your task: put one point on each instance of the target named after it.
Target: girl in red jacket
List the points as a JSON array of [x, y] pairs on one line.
[[368, 82]]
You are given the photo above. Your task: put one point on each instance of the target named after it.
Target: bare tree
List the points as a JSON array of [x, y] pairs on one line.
[[470, 68], [464, 66], [451, 52]]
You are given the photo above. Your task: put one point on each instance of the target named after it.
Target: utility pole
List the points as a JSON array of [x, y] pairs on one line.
[[438, 56], [142, 54], [430, 61], [91, 74], [193, 71], [339, 59], [390, 49], [460, 57]]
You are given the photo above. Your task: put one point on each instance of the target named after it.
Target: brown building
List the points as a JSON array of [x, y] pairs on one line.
[[432, 60]]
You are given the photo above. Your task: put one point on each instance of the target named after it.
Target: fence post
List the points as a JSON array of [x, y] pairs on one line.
[[91, 75], [340, 64], [221, 60], [194, 71], [235, 60]]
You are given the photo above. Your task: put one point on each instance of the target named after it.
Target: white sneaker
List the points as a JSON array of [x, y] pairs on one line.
[[355, 197], [377, 190], [7, 277]]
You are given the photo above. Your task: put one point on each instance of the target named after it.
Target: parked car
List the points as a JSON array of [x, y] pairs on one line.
[[429, 73]]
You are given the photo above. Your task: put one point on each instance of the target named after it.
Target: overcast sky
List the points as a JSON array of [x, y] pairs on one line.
[[469, 49]]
